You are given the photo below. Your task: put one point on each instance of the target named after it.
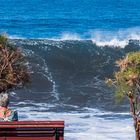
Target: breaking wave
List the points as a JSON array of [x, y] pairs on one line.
[[72, 71], [119, 38], [68, 84]]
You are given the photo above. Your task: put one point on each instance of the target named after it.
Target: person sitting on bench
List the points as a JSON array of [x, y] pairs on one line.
[[6, 114]]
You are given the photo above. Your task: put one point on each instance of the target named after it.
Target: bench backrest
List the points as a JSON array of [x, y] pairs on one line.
[[32, 130]]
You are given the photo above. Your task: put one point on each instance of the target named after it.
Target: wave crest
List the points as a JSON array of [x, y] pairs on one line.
[[119, 38]]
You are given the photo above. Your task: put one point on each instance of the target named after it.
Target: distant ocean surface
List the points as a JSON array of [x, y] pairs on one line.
[[71, 47]]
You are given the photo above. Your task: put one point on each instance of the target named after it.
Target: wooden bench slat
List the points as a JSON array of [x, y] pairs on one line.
[[28, 138], [31, 126], [33, 122], [32, 130], [25, 132]]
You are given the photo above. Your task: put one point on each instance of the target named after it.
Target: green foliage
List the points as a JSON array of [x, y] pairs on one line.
[[3, 39], [127, 84], [128, 77], [121, 89]]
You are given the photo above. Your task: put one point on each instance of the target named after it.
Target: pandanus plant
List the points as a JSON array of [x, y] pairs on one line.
[[14, 72], [127, 84]]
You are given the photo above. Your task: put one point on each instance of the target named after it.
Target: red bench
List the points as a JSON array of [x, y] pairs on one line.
[[32, 130]]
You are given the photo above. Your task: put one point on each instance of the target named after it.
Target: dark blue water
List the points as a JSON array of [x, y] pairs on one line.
[[72, 68], [52, 18], [81, 40]]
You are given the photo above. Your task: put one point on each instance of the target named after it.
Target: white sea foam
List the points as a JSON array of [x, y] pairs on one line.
[[63, 36], [70, 36], [119, 38], [113, 42], [99, 37], [88, 125], [115, 38]]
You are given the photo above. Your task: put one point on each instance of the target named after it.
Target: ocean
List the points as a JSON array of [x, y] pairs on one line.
[[71, 48]]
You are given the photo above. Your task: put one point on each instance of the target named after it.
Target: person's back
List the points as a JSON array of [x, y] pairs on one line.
[[6, 114]]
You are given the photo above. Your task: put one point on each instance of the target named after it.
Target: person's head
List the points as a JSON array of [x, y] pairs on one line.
[[4, 99]]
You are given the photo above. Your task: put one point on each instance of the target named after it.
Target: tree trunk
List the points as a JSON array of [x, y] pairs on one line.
[[137, 131], [135, 117]]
